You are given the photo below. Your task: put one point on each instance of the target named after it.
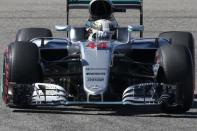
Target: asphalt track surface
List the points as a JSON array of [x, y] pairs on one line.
[[159, 16]]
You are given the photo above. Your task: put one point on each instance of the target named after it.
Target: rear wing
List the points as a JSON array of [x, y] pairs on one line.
[[127, 4]]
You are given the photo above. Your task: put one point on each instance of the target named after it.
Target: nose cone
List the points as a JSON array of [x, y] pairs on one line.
[[100, 9]]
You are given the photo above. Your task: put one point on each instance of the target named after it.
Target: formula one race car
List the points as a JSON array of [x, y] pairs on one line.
[[99, 63]]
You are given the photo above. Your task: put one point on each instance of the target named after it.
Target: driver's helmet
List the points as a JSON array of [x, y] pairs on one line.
[[101, 28]]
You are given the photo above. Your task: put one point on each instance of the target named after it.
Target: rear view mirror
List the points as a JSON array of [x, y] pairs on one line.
[[63, 27], [132, 28]]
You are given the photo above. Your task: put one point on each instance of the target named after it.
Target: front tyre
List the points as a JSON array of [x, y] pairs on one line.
[[176, 69], [20, 66], [180, 38]]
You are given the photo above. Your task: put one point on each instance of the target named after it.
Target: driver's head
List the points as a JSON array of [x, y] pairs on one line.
[[104, 25], [103, 28], [100, 9]]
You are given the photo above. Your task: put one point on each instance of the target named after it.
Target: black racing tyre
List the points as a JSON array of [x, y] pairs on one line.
[[21, 66], [177, 68], [180, 38], [26, 34]]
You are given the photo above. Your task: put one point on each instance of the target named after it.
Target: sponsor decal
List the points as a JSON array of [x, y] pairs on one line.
[[91, 45], [95, 73], [95, 79], [102, 45], [96, 68]]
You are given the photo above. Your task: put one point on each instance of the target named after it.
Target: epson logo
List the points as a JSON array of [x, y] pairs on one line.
[[95, 79]]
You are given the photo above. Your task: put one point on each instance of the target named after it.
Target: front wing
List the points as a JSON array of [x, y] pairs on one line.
[[44, 94]]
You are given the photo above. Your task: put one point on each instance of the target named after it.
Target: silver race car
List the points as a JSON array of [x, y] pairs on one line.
[[99, 63]]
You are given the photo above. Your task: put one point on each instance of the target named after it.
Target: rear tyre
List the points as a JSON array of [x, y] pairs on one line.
[[21, 66], [26, 34], [176, 68]]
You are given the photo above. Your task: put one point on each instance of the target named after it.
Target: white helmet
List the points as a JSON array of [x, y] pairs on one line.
[[104, 25], [102, 28]]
